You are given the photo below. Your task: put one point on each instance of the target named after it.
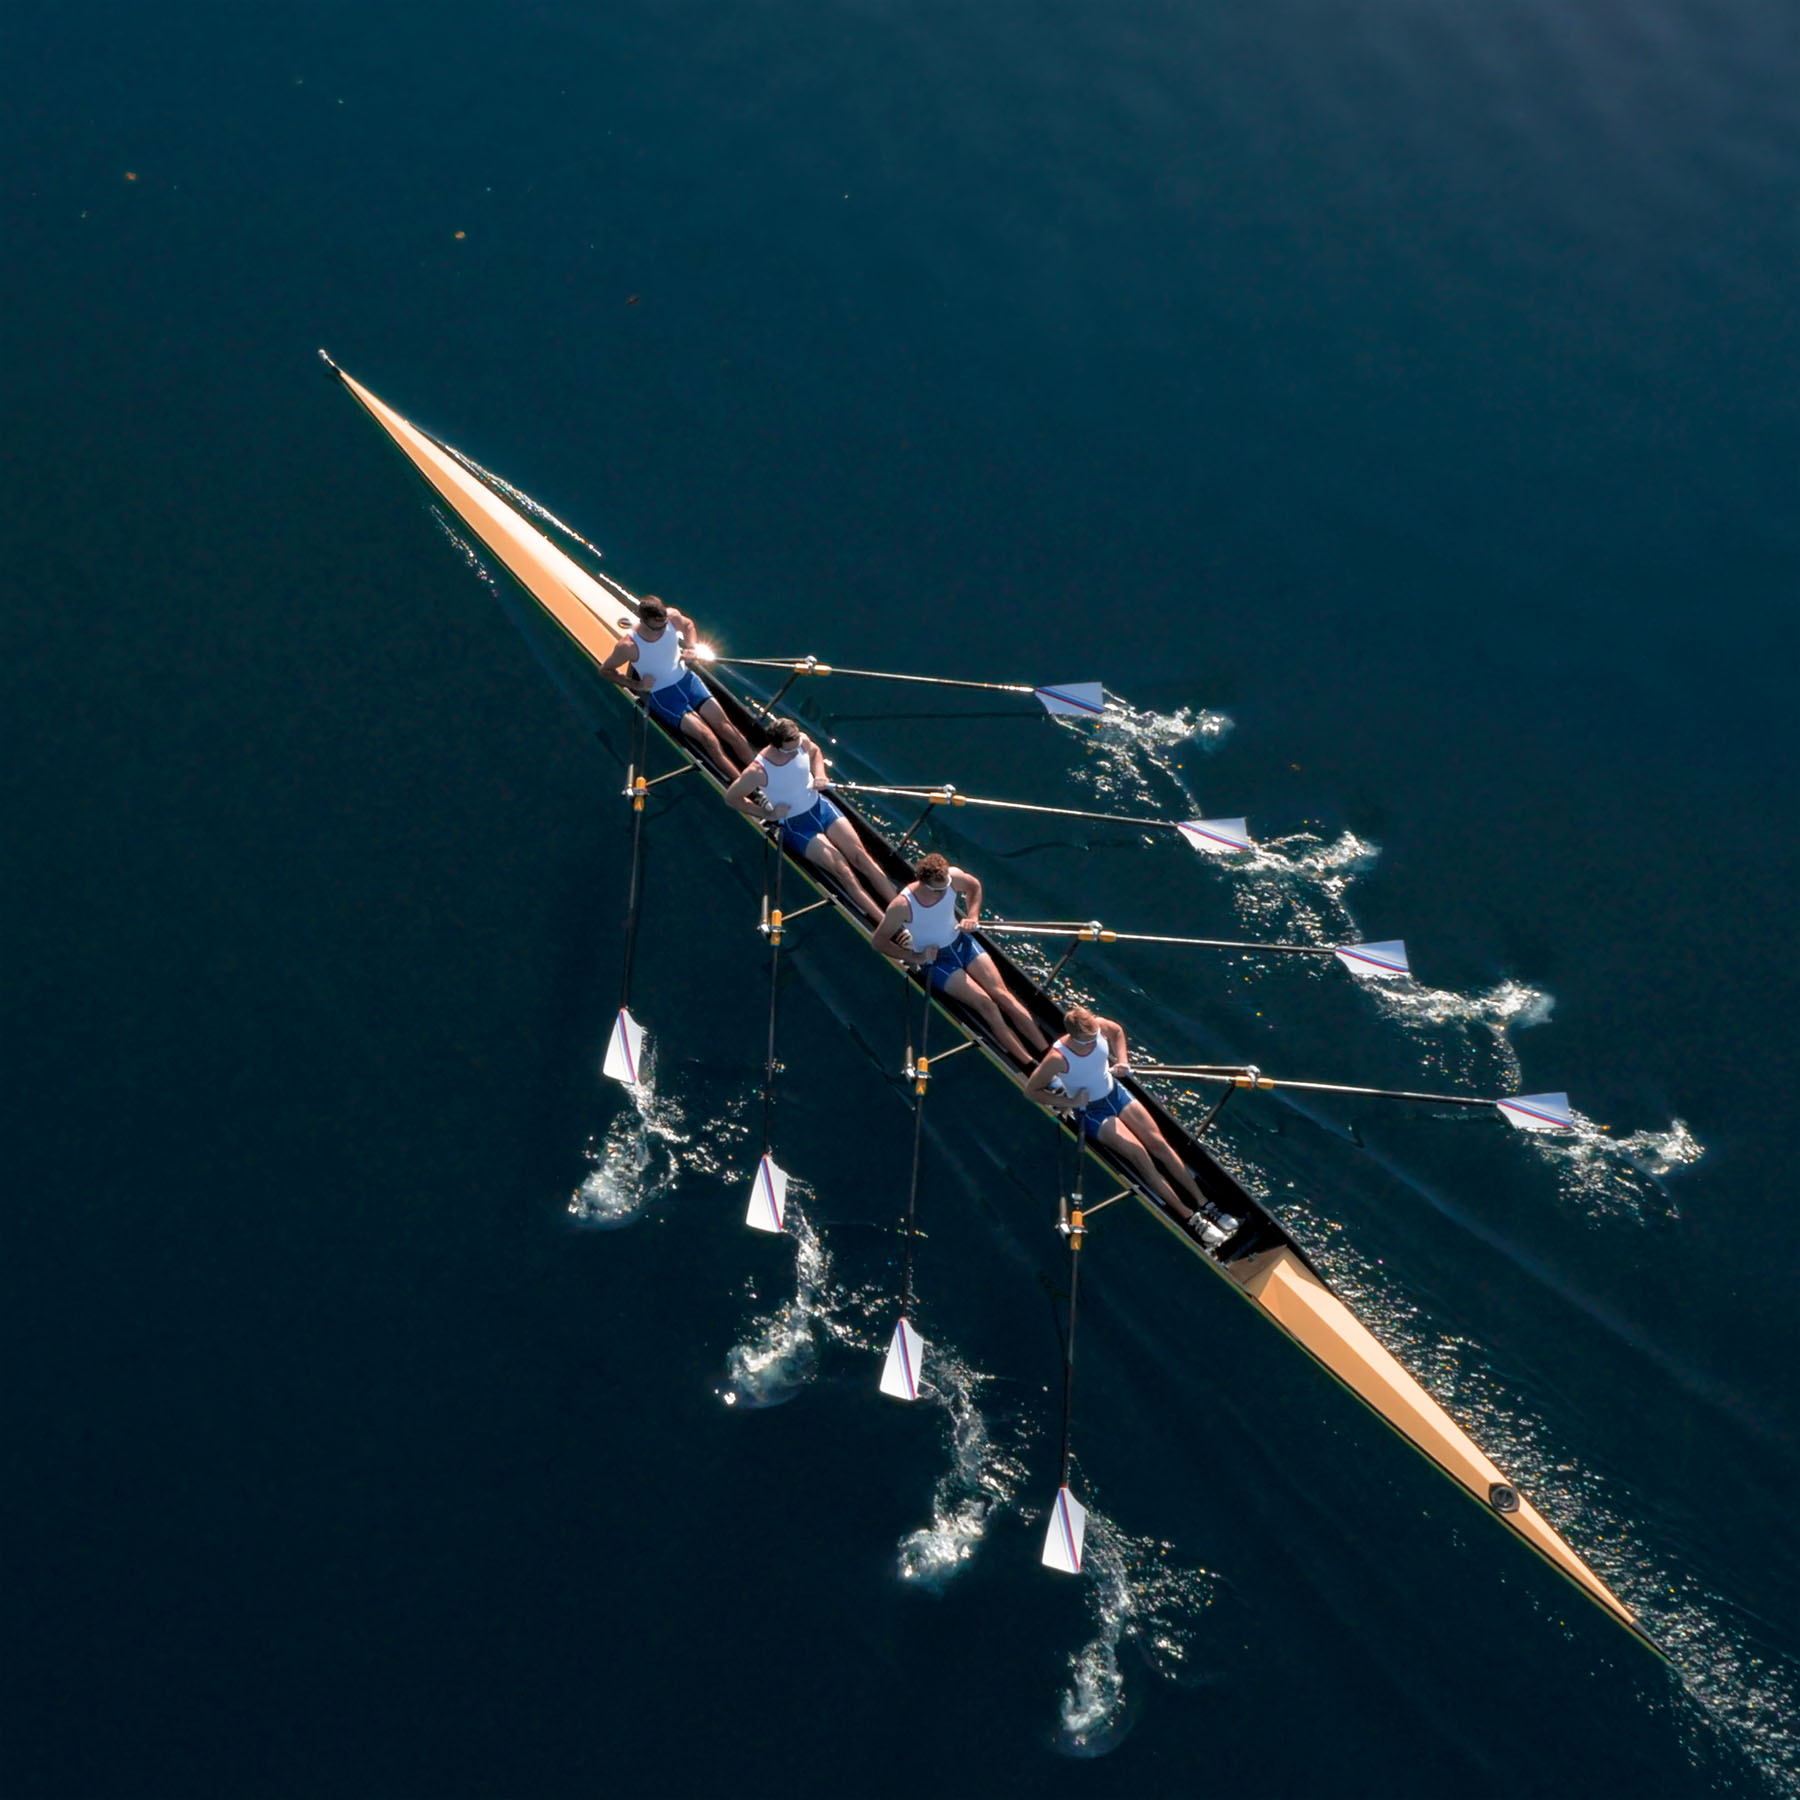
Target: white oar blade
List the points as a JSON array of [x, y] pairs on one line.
[[1218, 837], [1538, 1112], [624, 1050], [1376, 962], [1073, 700], [1068, 1528], [905, 1358], [768, 1196]]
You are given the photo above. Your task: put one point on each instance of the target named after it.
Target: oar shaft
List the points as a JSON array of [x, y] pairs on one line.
[[635, 881], [1092, 934], [921, 1070], [770, 1065], [801, 665], [948, 796], [1241, 1077], [1077, 1231]]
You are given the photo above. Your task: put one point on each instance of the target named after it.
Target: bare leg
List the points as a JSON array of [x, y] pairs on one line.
[[843, 834], [709, 746], [960, 988], [823, 856], [1139, 1120], [714, 714], [987, 977], [1116, 1138]]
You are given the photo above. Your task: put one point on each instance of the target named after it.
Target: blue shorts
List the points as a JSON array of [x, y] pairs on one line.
[[1097, 1112], [799, 829], [957, 954], [673, 703]]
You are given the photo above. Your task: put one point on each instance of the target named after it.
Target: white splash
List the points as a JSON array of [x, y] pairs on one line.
[[778, 1354], [1128, 750], [982, 1481], [1607, 1177], [1488, 1017], [1295, 886], [637, 1161], [1143, 1601]]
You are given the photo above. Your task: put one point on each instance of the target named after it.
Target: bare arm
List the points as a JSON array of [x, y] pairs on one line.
[[820, 774], [1117, 1049], [746, 793], [617, 666], [886, 939], [969, 886], [683, 627], [1037, 1085]]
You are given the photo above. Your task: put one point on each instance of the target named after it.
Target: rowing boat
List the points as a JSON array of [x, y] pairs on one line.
[[1260, 1262]]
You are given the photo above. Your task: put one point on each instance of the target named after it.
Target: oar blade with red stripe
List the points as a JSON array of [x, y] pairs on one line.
[[905, 1360], [1538, 1112], [768, 1196], [1066, 1533], [625, 1051], [1376, 962], [1217, 837], [1073, 700]]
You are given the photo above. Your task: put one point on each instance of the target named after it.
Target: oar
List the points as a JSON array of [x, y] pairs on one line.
[[1067, 1529], [1220, 837], [1378, 962], [1067, 700], [1529, 1112], [906, 1349], [768, 1186], [624, 1060]]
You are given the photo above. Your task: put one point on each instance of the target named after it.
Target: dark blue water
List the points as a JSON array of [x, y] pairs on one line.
[[1413, 389]]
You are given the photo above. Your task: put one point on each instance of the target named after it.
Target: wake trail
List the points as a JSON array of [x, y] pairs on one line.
[[1145, 1607], [982, 1481], [636, 1162]]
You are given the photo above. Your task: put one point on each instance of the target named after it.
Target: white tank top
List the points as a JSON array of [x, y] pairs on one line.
[[658, 663], [934, 925], [789, 783], [1092, 1070]]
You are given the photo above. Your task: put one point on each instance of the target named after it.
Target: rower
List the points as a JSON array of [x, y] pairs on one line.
[[649, 661], [1079, 1074], [920, 930], [786, 782]]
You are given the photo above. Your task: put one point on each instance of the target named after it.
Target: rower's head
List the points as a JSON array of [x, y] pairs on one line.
[[932, 872], [652, 612], [1081, 1022], [784, 735]]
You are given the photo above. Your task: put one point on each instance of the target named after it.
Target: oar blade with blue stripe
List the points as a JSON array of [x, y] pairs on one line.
[[1073, 700], [624, 1051], [905, 1360], [1066, 1533], [1376, 962], [768, 1196], [1538, 1112], [1217, 837]]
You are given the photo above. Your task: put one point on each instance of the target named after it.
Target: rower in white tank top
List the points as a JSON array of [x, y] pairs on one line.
[[788, 784], [1088, 1077], [658, 661], [1104, 1109], [921, 932], [785, 785], [932, 925]]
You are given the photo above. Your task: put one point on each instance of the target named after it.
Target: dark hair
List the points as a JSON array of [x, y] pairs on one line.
[[931, 868], [1083, 1021], [651, 611], [784, 734]]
